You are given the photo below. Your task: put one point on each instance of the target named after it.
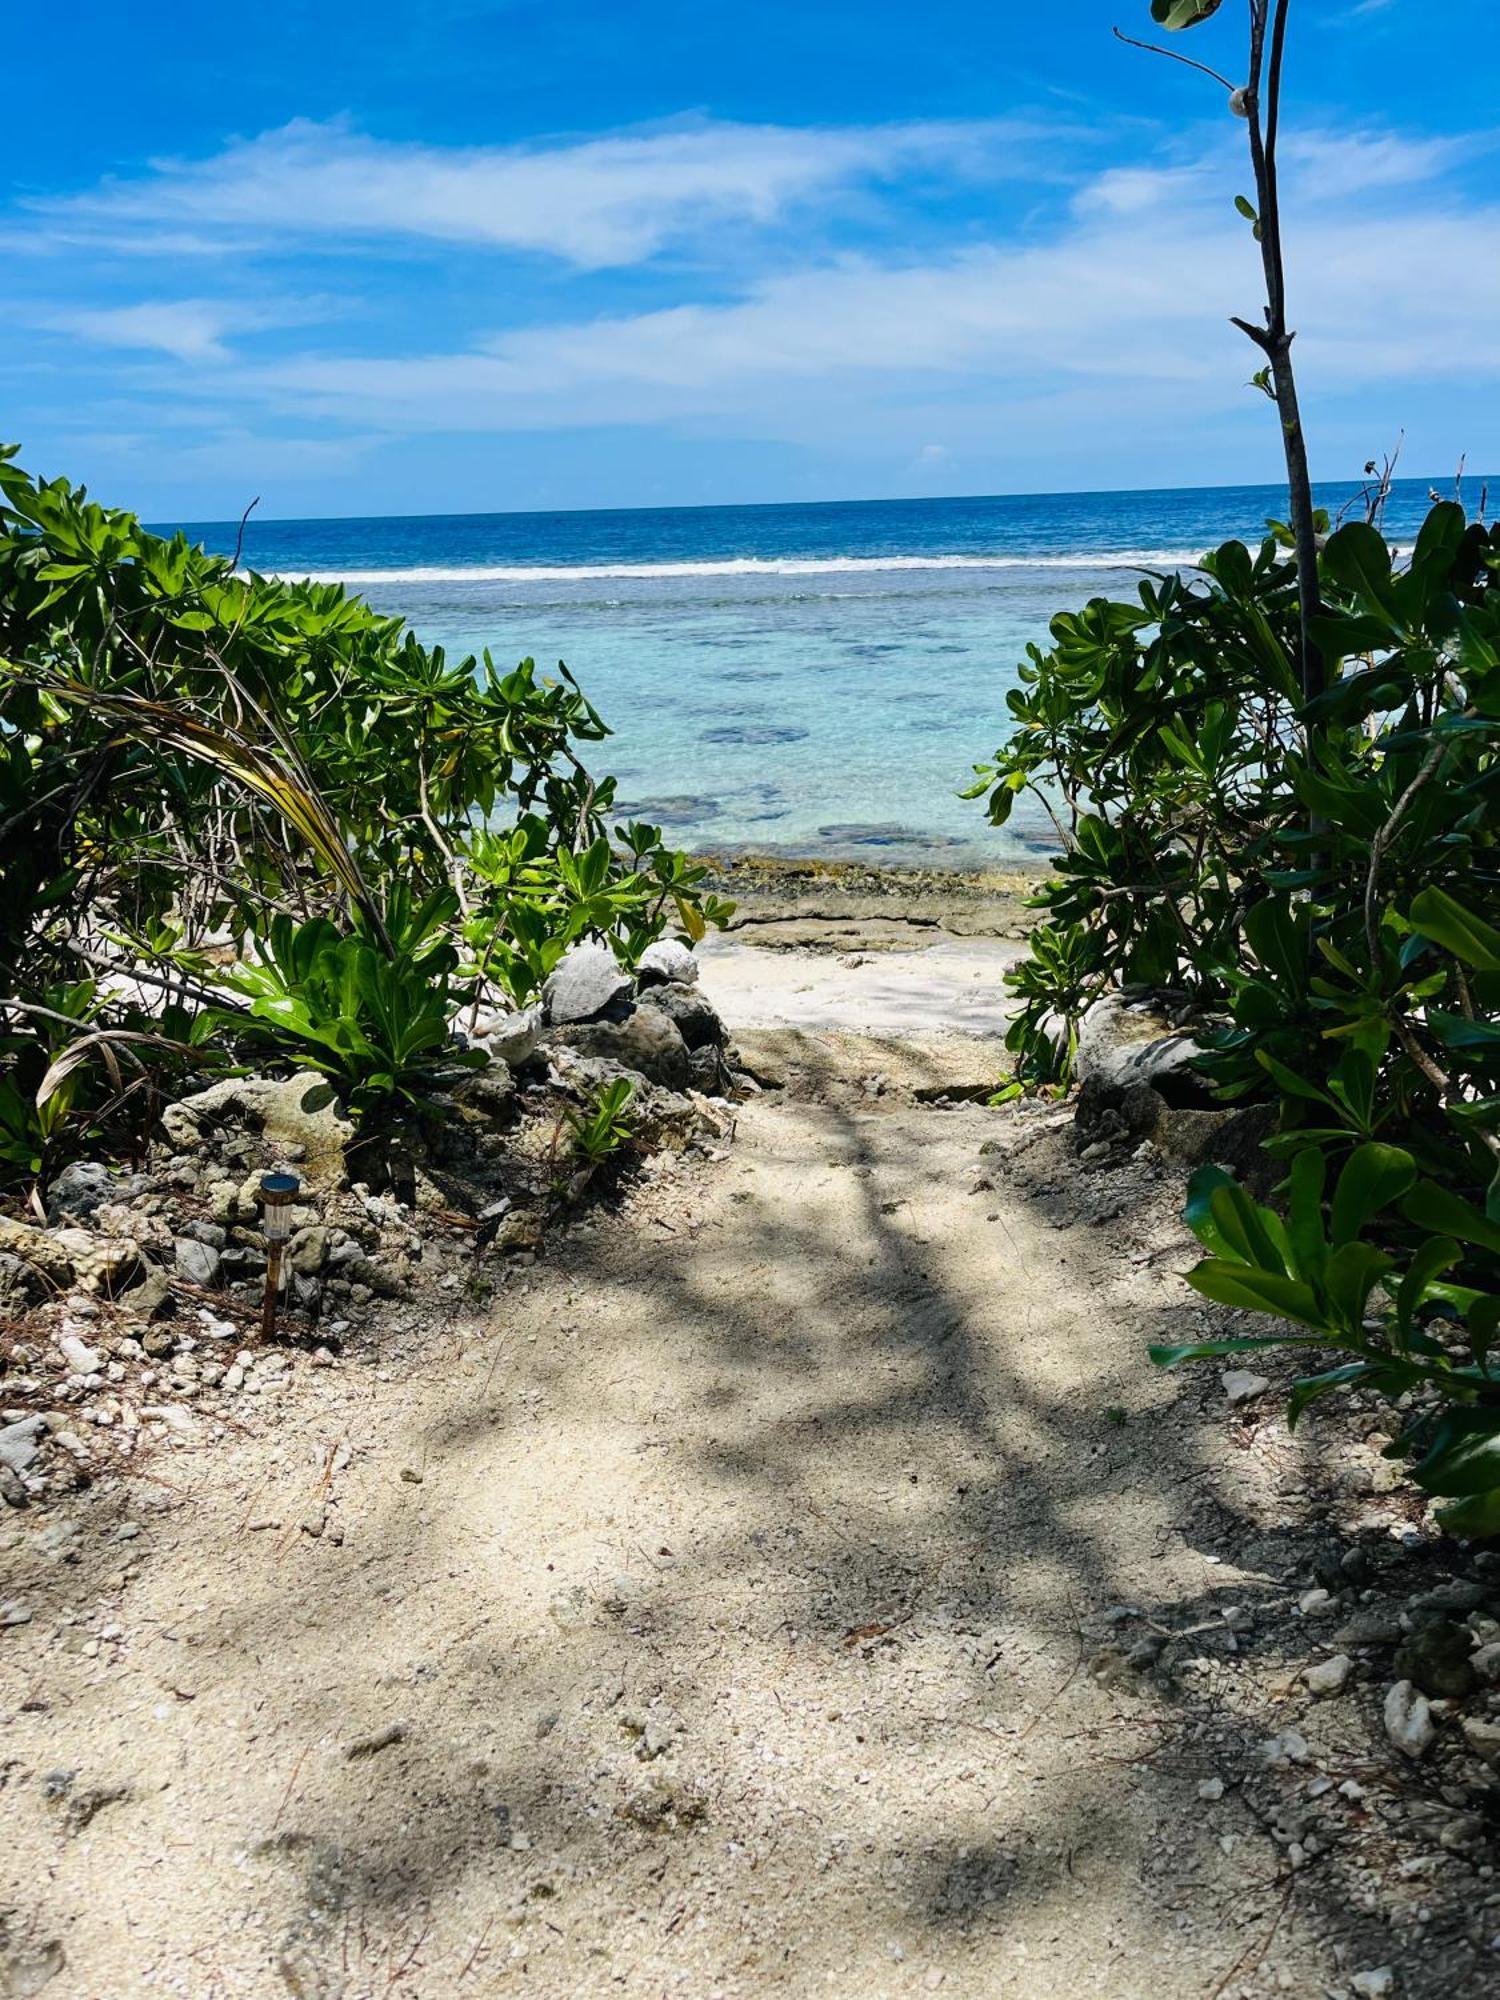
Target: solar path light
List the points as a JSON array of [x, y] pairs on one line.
[[277, 1194]]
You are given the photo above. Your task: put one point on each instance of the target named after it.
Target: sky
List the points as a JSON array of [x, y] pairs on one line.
[[494, 254]]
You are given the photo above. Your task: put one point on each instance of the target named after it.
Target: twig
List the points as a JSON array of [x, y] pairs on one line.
[[1156, 49], [239, 540]]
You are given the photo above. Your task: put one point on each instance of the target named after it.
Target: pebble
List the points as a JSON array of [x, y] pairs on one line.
[[1408, 1720], [1240, 1386], [381, 1739], [1329, 1676], [1287, 1746], [15, 1613], [1211, 1788], [79, 1355], [1375, 1984]]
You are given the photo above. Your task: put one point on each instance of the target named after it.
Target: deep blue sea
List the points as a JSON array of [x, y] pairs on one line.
[[809, 679]]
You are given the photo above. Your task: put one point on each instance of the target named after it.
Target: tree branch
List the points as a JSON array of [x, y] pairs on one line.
[[1155, 49]]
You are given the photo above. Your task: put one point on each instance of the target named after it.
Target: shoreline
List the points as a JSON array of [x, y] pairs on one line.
[[813, 903]]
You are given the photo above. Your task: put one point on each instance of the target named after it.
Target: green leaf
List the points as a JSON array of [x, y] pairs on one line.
[[1436, 1255], [1446, 921], [1476, 1518], [1182, 13], [1447, 1214], [1464, 1456], [1259, 1291], [1214, 1350], [1374, 1176], [1311, 1387]]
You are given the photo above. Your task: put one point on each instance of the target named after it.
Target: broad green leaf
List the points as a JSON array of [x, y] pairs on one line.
[[1373, 1177], [1215, 1350], [1448, 923], [1182, 13], [1259, 1291]]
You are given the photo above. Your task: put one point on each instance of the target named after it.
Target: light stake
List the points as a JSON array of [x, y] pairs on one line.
[[277, 1194]]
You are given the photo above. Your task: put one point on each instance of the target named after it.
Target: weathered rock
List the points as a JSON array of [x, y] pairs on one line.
[[1483, 1738], [1486, 1663], [1329, 1677], [1435, 1658], [1240, 1386], [296, 1117], [1368, 1627], [78, 1190], [21, 1285], [668, 960], [513, 1038], [646, 1042], [708, 1072], [1408, 1720], [1456, 1597], [693, 1014], [197, 1262], [584, 983], [103, 1264], [520, 1230], [80, 1357], [19, 1442], [1122, 1043], [39, 1248], [307, 1252], [491, 1090]]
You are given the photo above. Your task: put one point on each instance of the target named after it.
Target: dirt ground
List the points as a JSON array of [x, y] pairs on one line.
[[716, 1613]]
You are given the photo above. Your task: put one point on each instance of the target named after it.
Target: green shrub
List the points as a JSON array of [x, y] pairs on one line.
[[1323, 883], [200, 767]]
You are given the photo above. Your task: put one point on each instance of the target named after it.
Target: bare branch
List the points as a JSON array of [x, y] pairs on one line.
[[239, 540], [1155, 49]]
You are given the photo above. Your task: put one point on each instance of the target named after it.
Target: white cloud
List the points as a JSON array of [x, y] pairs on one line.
[[596, 202], [187, 329], [1146, 306]]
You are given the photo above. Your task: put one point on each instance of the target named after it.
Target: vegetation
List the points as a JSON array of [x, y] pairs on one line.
[[243, 820], [1278, 793]]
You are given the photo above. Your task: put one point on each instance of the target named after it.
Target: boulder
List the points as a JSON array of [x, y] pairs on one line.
[[708, 1072], [21, 1285], [78, 1190], [19, 1442], [586, 980], [102, 1264], [296, 1116], [37, 1248], [1435, 1658], [1125, 1042], [667, 962], [646, 1042], [491, 1091], [197, 1262], [695, 1016]]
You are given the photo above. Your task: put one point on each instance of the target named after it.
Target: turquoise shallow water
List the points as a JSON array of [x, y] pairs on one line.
[[809, 679]]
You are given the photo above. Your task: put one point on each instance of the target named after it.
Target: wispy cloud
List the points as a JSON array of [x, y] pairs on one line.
[[187, 329], [598, 202], [1134, 291]]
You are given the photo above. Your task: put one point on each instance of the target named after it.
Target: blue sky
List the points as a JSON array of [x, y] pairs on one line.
[[558, 253]]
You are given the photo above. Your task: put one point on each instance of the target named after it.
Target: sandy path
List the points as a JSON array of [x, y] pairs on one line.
[[728, 1644]]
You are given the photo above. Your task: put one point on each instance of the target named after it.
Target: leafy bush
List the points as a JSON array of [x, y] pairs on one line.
[[375, 1022], [200, 768], [1322, 883]]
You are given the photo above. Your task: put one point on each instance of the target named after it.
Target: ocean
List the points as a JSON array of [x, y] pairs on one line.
[[800, 679]]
